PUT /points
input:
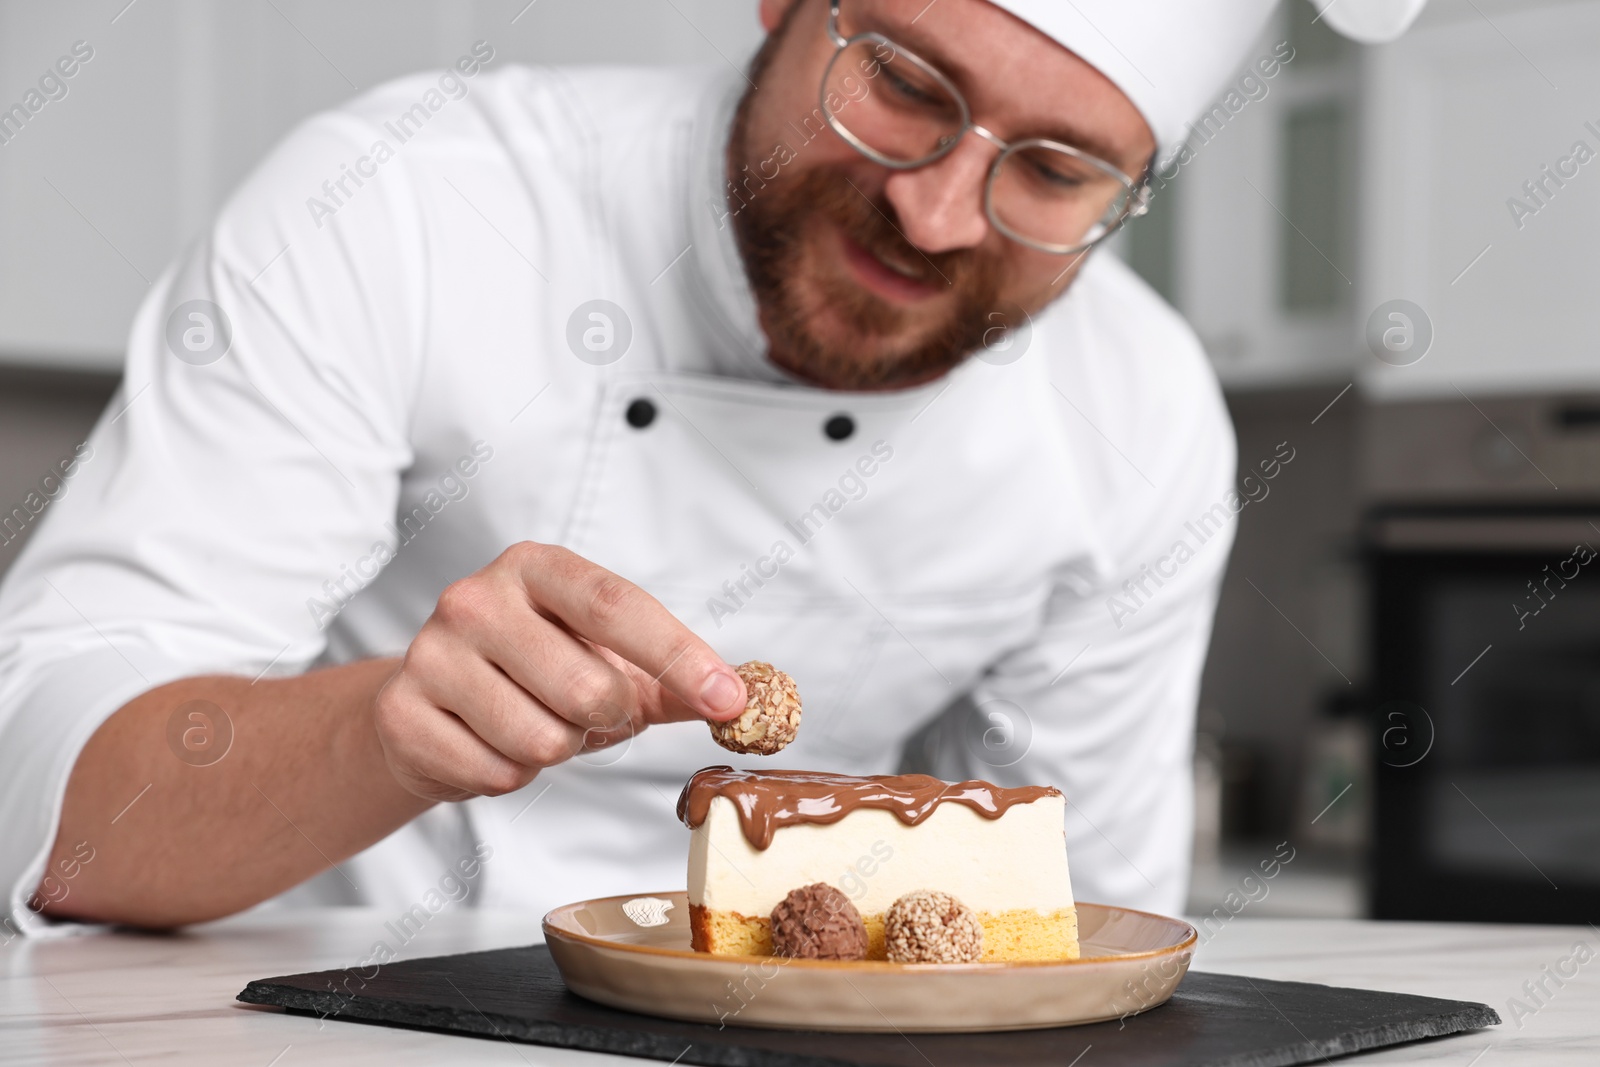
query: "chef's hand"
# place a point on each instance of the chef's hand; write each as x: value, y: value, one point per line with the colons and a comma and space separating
x: 533, y: 659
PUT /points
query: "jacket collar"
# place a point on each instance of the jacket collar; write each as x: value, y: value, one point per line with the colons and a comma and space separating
x: 735, y: 344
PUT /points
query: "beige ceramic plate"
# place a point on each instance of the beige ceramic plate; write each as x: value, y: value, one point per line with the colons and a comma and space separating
x: 633, y: 953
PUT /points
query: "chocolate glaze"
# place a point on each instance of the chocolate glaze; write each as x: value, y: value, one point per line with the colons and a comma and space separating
x: 770, y: 800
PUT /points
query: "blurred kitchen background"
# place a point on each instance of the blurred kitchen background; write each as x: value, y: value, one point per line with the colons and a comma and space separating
x: 1404, y: 683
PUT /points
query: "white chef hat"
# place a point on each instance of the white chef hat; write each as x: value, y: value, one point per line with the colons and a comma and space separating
x: 1172, y: 57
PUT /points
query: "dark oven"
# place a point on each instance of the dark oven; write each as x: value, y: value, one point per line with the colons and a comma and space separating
x: 1483, y: 545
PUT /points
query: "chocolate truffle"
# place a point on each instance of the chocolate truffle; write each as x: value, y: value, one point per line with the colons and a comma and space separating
x: 926, y: 926
x: 771, y: 715
x: 817, y: 922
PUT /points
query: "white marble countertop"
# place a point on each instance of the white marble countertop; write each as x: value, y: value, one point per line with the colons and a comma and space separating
x: 125, y: 998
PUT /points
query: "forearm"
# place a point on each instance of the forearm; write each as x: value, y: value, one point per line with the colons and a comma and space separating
x: 177, y: 838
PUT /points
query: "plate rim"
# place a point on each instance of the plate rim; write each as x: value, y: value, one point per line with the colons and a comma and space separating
x: 555, y: 932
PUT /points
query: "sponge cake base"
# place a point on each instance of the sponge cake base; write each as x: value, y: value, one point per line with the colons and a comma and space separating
x: 1020, y: 934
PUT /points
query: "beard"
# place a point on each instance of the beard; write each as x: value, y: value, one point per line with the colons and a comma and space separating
x: 874, y: 343
x: 878, y: 344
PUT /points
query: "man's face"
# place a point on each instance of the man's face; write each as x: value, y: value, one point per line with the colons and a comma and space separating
x: 872, y: 278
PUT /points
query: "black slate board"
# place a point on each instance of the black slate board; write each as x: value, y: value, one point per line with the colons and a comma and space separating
x: 1212, y: 1021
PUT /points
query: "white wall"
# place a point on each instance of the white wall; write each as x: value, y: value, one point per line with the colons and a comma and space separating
x: 105, y: 186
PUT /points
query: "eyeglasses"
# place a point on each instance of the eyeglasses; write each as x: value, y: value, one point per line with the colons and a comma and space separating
x: 902, y: 112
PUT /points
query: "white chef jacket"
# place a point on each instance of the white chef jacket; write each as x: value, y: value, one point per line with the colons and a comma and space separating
x: 981, y: 546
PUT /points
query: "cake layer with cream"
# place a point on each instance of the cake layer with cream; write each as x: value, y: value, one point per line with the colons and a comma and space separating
x: 757, y: 836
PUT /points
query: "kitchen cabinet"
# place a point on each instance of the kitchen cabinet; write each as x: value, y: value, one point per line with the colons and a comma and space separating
x: 1393, y: 171
x: 1263, y: 235
x: 1481, y: 109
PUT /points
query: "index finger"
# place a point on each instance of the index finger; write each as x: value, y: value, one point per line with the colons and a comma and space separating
x: 612, y: 612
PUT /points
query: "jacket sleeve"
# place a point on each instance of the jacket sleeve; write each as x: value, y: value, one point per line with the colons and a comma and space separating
x: 254, y: 447
x: 1102, y: 702
x: 1106, y: 713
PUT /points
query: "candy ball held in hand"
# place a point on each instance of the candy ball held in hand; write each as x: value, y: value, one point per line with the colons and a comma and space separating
x: 926, y: 926
x: 817, y: 922
x: 771, y: 715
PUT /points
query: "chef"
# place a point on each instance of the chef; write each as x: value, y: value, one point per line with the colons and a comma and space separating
x: 503, y: 408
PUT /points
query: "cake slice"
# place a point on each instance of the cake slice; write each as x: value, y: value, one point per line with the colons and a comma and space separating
x: 757, y: 836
